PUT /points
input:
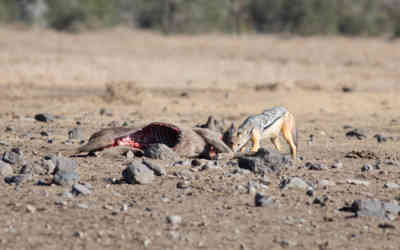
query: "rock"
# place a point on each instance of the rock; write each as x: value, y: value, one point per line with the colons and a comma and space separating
x: 315, y: 166
x: 138, y: 173
x: 391, y: 185
x: 264, y: 161
x: 337, y: 165
x: 358, y: 182
x: 210, y: 165
x: 262, y: 201
x: 129, y: 154
x: 30, y: 208
x: 386, y: 226
x: 183, y: 185
x: 324, y: 183
x: 356, y: 133
x: 374, y: 207
x: 18, y: 179
x: 44, y: 117
x: 196, y: 163
x: 321, y: 201
x: 380, y: 138
x: 15, y: 156
x: 251, y: 187
x: 67, y: 194
x: 366, y: 167
x: 48, y: 166
x: 160, y: 152
x: 5, y: 169
x: 63, y: 163
x: 75, y: 134
x: 66, y: 178
x: 80, y: 189
x: 158, y: 169
x: 174, y: 219
x: 295, y: 183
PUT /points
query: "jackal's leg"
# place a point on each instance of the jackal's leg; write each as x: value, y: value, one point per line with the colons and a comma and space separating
x: 255, y: 139
x: 288, y: 131
x: 277, y: 144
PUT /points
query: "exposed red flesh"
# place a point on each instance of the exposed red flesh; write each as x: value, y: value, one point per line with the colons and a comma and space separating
x: 126, y: 141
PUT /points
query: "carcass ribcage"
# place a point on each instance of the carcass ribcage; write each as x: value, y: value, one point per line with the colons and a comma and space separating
x: 158, y: 132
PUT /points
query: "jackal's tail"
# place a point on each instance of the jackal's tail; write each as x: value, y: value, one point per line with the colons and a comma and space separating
x: 289, y: 131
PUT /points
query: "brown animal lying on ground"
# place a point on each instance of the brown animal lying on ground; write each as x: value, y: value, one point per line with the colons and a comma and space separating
x: 186, y: 142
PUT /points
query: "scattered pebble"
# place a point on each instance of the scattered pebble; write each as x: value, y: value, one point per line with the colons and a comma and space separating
x: 138, y: 173
x: 160, y: 151
x: 337, y: 165
x: 75, y: 134
x: 174, y: 219
x: 315, y: 166
x: 30, y: 208
x: 367, y: 167
x: 294, y: 182
x: 157, y: 168
x: 261, y: 200
x: 66, y: 178
x: 80, y: 189
x: 391, y: 185
x: 5, y: 169
x: 44, y: 117
x: 358, y: 182
x: 356, y: 133
x: 324, y: 183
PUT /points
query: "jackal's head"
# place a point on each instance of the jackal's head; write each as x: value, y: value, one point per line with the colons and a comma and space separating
x: 240, y: 138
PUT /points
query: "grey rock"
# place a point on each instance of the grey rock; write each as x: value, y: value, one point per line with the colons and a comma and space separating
x: 374, y: 207
x: 63, y: 163
x: 82, y: 205
x: 210, y: 165
x: 80, y: 189
x: 174, y: 219
x: 183, y: 185
x: 157, y: 168
x: 44, y: 117
x: 30, y: 208
x: 15, y: 156
x: 358, y: 182
x: 264, y: 161
x: 261, y: 200
x: 138, y: 173
x: 315, y: 166
x: 325, y: 183
x: 67, y: 194
x: 18, y: 179
x: 295, y: 183
x: 75, y: 134
x: 48, y: 166
x: 337, y: 164
x: 380, y: 138
x: 5, y: 169
x: 356, y: 133
x: 66, y: 178
x: 367, y: 167
x: 251, y: 187
x: 391, y: 185
x: 160, y: 152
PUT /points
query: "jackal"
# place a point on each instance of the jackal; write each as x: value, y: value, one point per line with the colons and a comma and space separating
x: 268, y: 124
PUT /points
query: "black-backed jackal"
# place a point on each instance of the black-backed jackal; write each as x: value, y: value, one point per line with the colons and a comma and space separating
x: 268, y: 124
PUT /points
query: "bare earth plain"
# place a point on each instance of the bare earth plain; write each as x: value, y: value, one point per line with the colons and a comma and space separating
x: 142, y: 77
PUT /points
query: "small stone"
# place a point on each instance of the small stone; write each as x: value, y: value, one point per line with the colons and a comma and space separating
x: 5, y: 169
x: 44, y: 117
x: 324, y: 183
x: 75, y: 134
x: 174, y: 219
x: 358, y: 182
x: 356, y: 133
x: 366, y: 167
x: 124, y: 207
x: 196, y: 163
x: 294, y: 182
x: 251, y: 188
x: 337, y: 165
x: 160, y: 151
x: 391, y: 185
x: 183, y: 184
x: 129, y: 154
x: 15, y: 156
x: 82, y: 205
x: 66, y: 178
x: 63, y: 163
x: 80, y: 189
x: 380, y: 138
x: 315, y: 166
x: 155, y: 167
x: 67, y: 194
x: 210, y: 165
x: 261, y: 200
x: 138, y: 173
x: 61, y: 203
x: 386, y: 226
x: 30, y: 208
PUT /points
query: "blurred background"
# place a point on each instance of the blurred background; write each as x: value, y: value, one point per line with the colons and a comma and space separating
x: 303, y: 17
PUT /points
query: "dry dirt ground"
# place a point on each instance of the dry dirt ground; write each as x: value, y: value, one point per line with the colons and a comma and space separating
x: 140, y: 77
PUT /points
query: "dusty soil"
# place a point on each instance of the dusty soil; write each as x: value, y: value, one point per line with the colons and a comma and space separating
x: 142, y: 77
